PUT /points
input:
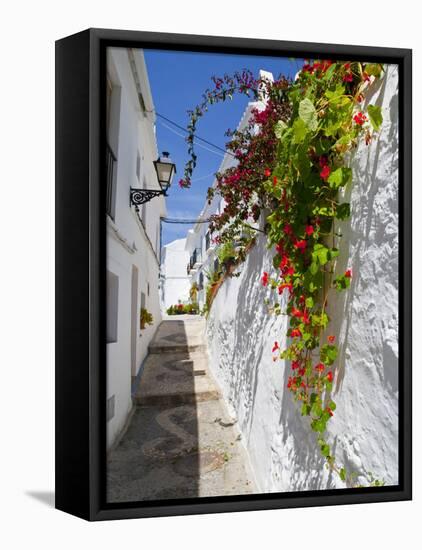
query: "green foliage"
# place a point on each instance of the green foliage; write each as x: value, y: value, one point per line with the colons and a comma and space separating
x: 375, y: 116
x: 308, y: 114
x: 181, y: 309
x: 145, y: 318
x: 328, y: 354
x: 319, y: 122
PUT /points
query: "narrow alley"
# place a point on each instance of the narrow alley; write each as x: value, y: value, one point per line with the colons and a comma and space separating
x: 180, y: 442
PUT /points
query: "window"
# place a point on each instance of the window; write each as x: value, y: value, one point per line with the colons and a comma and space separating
x: 138, y: 166
x: 113, y: 128
x: 112, y: 307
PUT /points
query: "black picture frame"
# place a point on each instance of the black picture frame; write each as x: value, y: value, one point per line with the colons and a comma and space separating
x: 80, y: 275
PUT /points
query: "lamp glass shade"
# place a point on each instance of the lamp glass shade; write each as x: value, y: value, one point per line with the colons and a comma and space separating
x: 165, y: 169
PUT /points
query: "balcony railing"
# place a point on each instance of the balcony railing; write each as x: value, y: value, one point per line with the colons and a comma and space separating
x: 110, y: 164
x: 195, y: 260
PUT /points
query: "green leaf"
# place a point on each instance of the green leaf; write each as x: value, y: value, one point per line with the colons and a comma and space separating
x: 328, y: 354
x: 373, y: 69
x: 299, y: 130
x: 337, y: 93
x: 309, y: 302
x: 313, y: 268
x: 279, y: 128
x: 340, y: 177
x: 343, y: 474
x: 332, y: 405
x: 325, y: 450
x: 341, y: 282
x: 316, y: 409
x: 329, y: 73
x: 308, y: 114
x: 306, y: 409
x: 343, y: 211
x: 375, y: 116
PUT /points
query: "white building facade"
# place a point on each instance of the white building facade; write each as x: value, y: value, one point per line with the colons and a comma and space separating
x: 133, y: 235
x: 203, y: 259
x: 175, y: 281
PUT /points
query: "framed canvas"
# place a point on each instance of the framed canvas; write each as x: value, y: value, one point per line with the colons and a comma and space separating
x: 233, y: 274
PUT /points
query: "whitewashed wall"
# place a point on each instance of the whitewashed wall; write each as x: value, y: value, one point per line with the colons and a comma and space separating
x: 132, y: 240
x: 176, y: 283
x: 241, y: 333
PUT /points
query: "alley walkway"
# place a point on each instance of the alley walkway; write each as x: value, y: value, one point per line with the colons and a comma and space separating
x: 180, y: 442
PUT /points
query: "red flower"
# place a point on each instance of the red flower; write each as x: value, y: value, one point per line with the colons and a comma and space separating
x: 347, y: 66
x: 290, y: 271
x: 331, y: 339
x: 302, y: 299
x: 348, y: 273
x: 295, y: 333
x: 284, y: 261
x: 348, y: 77
x: 267, y: 172
x: 301, y: 371
x: 329, y: 376
x: 320, y: 367
x: 360, y: 118
x: 325, y: 172
x: 264, y: 278
x: 275, y: 181
x: 301, y: 245
x: 309, y: 230
x: 329, y: 411
x: 285, y: 285
x: 306, y: 319
x: 275, y: 347
x: 296, y: 313
x: 366, y: 77
x: 180, y: 306
x: 295, y: 364
x: 288, y: 229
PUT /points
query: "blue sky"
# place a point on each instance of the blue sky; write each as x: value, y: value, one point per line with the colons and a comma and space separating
x: 177, y: 81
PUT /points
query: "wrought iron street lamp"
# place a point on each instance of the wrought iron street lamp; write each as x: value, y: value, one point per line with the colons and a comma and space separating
x: 165, y: 169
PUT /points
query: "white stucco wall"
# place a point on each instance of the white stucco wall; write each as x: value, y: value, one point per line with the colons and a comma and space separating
x: 131, y: 241
x: 364, y: 430
x: 176, y: 283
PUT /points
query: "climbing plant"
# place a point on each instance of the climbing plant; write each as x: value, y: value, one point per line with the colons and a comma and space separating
x: 292, y: 161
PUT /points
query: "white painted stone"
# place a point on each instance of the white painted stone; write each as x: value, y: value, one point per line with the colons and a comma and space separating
x: 241, y: 332
x: 175, y: 280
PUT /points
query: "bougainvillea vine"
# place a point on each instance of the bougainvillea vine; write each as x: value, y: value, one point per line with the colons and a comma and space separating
x: 291, y: 165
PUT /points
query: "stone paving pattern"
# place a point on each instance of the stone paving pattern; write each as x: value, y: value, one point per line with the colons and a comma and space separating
x: 181, y: 441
